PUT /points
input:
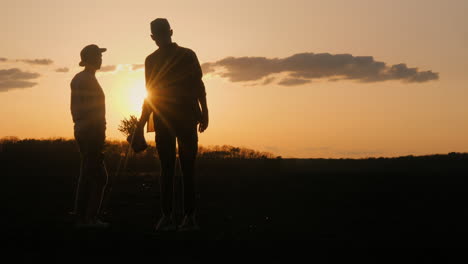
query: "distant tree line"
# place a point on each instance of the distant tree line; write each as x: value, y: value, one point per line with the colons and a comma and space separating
x: 121, y: 148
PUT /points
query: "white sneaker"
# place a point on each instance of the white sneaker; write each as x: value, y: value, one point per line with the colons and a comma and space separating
x: 189, y: 224
x: 166, y: 223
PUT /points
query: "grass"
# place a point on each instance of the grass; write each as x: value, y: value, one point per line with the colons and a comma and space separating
x: 407, y: 201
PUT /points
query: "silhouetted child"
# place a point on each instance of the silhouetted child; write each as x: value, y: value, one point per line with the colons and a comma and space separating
x: 88, y: 112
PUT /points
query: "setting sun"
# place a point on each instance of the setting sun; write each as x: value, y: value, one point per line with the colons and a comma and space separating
x: 136, y: 95
x: 125, y: 94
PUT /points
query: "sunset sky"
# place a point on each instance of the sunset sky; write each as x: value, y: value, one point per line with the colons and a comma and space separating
x: 301, y: 79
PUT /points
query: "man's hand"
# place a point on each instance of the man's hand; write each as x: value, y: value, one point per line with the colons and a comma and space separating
x: 140, y: 125
x: 204, y: 112
x: 203, y: 122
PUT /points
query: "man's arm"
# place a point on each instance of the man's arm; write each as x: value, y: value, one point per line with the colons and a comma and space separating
x: 146, y: 107
x: 79, y: 103
x: 145, y: 114
x: 201, y: 94
x: 204, y: 107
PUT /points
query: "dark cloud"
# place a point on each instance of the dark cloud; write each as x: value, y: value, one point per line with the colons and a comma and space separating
x: 108, y: 68
x: 17, y: 74
x: 268, y: 80
x: 38, y: 61
x: 137, y: 66
x: 208, y: 67
x: 293, y: 81
x: 303, y: 67
x: 64, y: 69
x: 8, y: 85
x: 15, y: 78
x: 3, y: 59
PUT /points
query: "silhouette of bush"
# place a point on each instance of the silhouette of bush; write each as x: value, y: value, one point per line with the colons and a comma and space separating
x: 230, y: 152
x: 127, y: 126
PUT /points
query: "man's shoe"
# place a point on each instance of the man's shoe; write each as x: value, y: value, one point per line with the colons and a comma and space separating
x: 189, y: 224
x: 166, y: 223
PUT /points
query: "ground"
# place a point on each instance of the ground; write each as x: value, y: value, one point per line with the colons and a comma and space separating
x: 408, y: 202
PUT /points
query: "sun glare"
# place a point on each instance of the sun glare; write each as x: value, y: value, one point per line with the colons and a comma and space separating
x: 136, y: 95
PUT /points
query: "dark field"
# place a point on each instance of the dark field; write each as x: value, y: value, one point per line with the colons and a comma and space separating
x: 388, y: 202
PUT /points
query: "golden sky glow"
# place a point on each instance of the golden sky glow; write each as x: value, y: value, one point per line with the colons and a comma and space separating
x: 317, y: 119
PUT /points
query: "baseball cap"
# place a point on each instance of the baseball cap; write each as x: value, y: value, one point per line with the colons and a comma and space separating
x: 89, y: 52
x: 160, y: 25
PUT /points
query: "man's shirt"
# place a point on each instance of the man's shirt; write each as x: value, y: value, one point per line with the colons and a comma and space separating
x: 174, y: 83
x: 87, y: 105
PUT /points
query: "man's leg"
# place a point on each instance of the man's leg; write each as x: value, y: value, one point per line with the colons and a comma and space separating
x: 105, y: 176
x: 82, y: 183
x: 188, y: 147
x: 78, y: 187
x: 165, y: 145
x: 97, y: 178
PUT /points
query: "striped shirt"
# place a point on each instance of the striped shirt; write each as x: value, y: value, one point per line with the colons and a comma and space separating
x: 87, y: 105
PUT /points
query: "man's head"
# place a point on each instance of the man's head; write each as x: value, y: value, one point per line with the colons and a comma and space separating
x: 161, y: 31
x: 91, y: 56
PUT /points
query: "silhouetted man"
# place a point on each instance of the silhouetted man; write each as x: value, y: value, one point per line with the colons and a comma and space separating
x: 88, y: 112
x: 175, y: 94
